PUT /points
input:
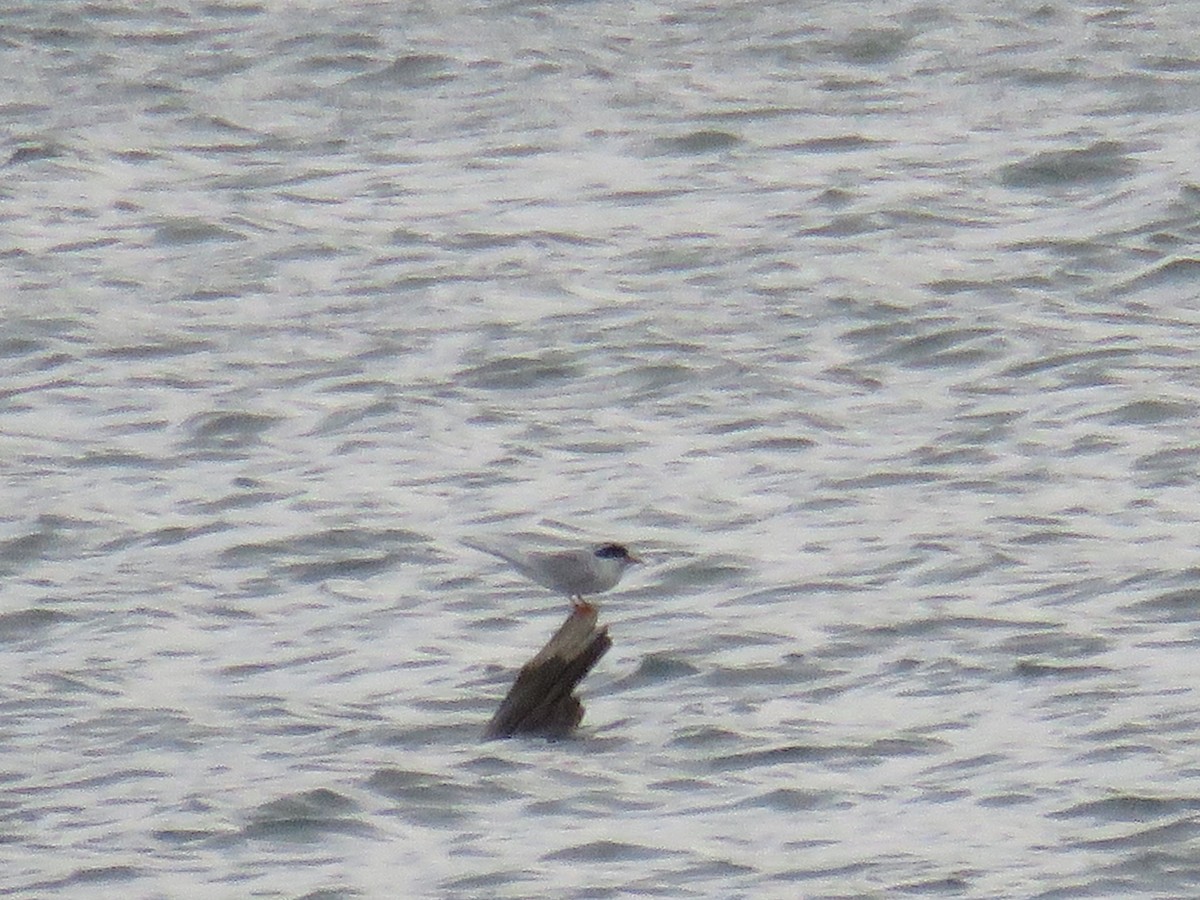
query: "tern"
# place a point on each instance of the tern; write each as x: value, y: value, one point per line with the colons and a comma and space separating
x: 573, y: 573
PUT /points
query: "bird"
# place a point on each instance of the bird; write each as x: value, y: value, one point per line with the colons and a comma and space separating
x: 574, y: 573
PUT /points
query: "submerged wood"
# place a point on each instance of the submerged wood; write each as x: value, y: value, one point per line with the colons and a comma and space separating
x: 541, y: 700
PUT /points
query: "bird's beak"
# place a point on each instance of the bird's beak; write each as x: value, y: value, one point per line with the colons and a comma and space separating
x: 636, y: 559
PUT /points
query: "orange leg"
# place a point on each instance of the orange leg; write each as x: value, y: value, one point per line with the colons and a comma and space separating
x: 578, y: 604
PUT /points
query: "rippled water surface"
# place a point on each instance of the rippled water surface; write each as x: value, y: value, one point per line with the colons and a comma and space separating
x: 873, y: 327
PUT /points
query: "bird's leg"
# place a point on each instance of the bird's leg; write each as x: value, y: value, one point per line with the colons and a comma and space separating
x: 578, y: 604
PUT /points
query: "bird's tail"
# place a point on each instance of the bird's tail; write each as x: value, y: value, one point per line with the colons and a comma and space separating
x: 498, y: 547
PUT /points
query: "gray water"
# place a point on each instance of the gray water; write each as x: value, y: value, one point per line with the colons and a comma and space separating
x: 874, y: 327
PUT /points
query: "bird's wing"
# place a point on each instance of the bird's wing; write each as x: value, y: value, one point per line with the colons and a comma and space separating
x: 508, y: 552
x: 532, y: 565
x: 566, y: 571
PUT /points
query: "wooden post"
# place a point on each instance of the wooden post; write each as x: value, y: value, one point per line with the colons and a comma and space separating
x: 541, y: 700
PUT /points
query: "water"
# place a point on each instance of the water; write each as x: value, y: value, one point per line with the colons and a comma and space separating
x: 872, y: 326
